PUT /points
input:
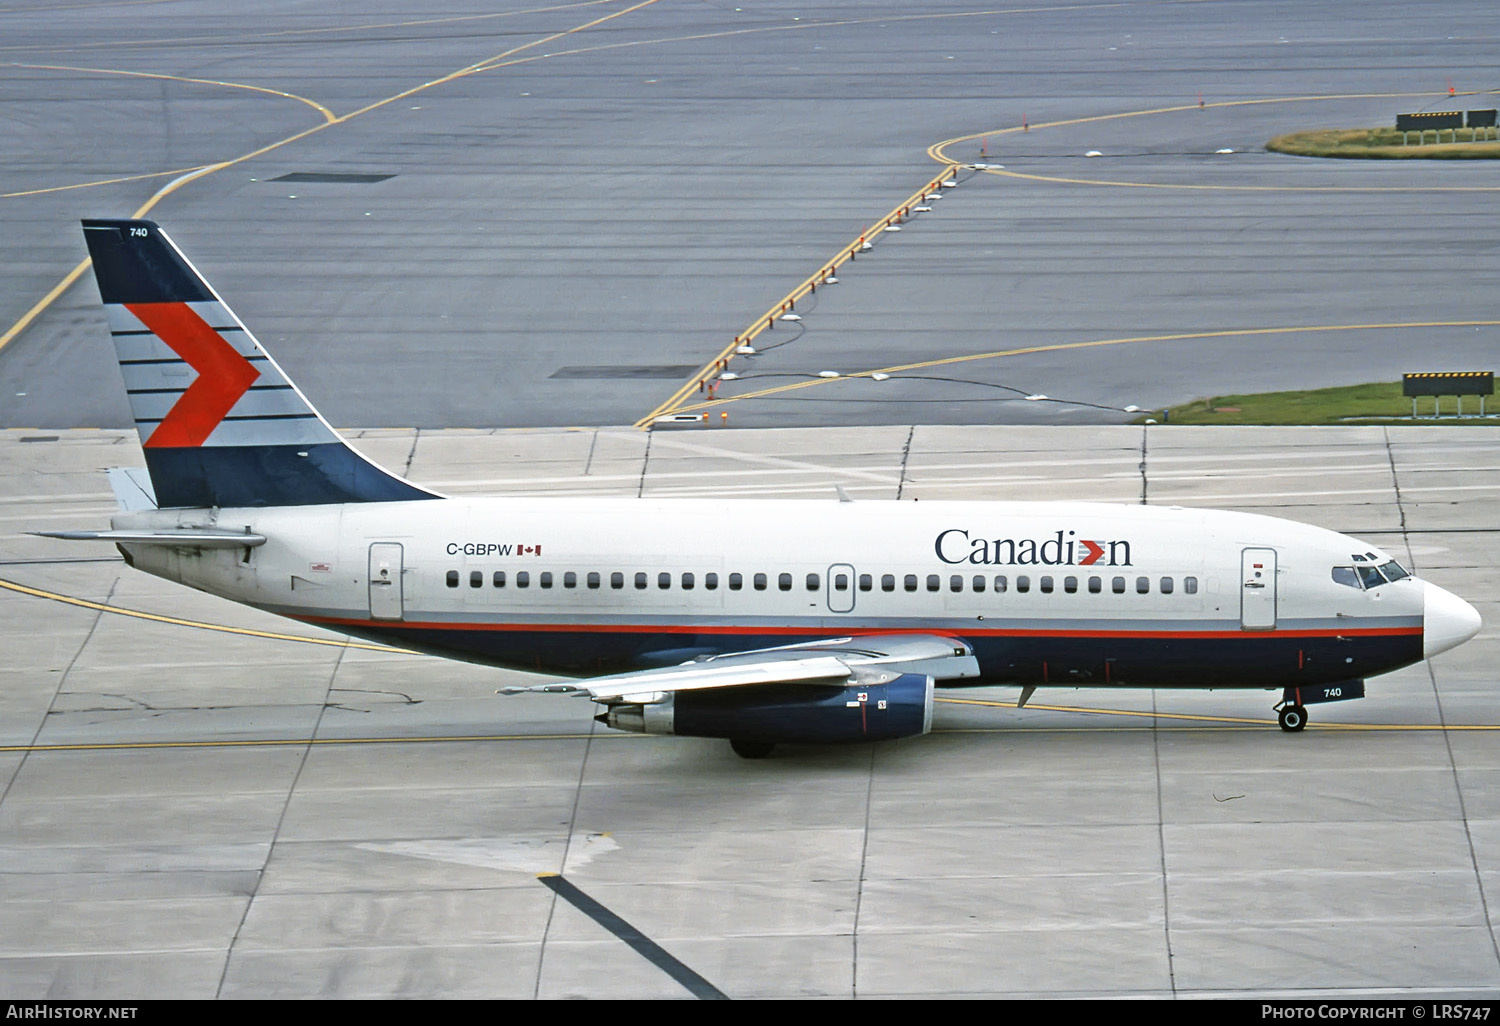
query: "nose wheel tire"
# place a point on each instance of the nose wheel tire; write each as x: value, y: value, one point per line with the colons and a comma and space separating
x: 751, y: 749
x: 1292, y: 718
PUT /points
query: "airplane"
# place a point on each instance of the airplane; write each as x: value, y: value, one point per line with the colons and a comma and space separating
x: 764, y: 623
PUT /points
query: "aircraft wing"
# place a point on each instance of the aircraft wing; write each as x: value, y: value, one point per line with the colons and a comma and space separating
x: 826, y: 661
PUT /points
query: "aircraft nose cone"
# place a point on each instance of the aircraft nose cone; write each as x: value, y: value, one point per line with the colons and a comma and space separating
x: 1447, y: 620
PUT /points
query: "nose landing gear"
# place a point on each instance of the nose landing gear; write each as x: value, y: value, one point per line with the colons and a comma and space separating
x: 1291, y: 711
x: 1291, y: 716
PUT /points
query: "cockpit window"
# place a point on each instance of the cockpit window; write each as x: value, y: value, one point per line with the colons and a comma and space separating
x: 1346, y: 576
x: 1393, y: 571
x: 1370, y: 576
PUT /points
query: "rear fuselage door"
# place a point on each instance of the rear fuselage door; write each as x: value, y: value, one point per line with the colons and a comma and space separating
x: 1258, y: 589
x: 841, y: 588
x: 386, y: 602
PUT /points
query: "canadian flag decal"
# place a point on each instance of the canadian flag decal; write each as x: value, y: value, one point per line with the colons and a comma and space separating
x: 223, y: 374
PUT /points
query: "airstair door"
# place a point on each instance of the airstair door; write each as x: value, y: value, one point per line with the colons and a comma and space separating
x: 1258, y: 589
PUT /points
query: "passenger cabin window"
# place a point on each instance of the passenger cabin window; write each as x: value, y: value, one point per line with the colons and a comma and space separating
x: 688, y: 582
x: 1166, y: 585
x: 1117, y: 585
x: 453, y: 578
x: 736, y: 582
x: 1190, y: 585
x: 934, y: 582
x: 523, y: 579
x: 640, y: 581
x: 476, y: 578
x: 1070, y: 584
x: 979, y: 582
x: 1095, y: 585
x: 909, y: 582
x: 840, y: 582
x: 616, y: 580
x: 760, y: 582
x: 593, y: 579
x: 812, y: 582
x: 1023, y: 583
x: 570, y: 580
x: 499, y: 579
x: 956, y: 583
x: 887, y: 582
x: 545, y: 578
x: 866, y: 582
x: 710, y: 582
x: 1046, y: 585
x: 784, y: 582
x: 663, y: 581
x: 1143, y: 585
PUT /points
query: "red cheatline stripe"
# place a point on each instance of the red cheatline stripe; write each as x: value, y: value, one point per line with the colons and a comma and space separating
x: 223, y: 374
x: 851, y: 630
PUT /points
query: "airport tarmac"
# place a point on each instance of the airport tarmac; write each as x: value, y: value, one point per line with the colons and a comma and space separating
x: 201, y: 800
x: 564, y: 219
x: 551, y: 217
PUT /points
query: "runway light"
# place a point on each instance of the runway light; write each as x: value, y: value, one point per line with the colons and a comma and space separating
x: 790, y: 317
x: 729, y: 376
x: 1035, y: 398
x: 832, y: 279
x: 891, y: 228
x: 950, y: 184
x: 829, y: 374
x: 865, y: 246
x: 745, y: 350
x: 921, y: 210
x: 1132, y: 409
x: 880, y: 377
x: 1226, y: 149
x: 933, y: 195
x: 1093, y: 153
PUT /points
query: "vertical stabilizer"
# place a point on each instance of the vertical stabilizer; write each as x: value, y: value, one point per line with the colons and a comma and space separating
x: 220, y: 424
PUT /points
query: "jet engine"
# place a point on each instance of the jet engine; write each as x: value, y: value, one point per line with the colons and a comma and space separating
x: 880, y: 708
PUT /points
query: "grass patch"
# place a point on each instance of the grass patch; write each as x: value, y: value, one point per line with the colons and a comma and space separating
x: 1350, y: 404
x: 1386, y: 144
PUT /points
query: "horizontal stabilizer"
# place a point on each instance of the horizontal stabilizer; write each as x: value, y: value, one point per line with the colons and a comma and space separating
x: 198, y: 538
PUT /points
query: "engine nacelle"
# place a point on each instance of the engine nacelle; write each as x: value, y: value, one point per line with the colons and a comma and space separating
x: 887, y: 707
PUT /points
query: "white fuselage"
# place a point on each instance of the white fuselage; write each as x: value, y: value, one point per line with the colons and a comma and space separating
x: 1045, y: 592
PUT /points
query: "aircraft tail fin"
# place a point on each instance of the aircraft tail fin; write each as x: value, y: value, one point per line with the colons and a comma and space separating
x: 220, y: 423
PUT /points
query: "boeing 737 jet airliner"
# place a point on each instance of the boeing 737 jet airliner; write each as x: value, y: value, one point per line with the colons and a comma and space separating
x: 818, y: 622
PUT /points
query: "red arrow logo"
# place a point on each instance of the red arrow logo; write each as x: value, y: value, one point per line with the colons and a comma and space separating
x: 223, y: 374
x: 1095, y: 551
